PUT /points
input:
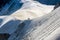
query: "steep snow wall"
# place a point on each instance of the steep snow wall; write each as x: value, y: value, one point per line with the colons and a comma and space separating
x: 35, y: 29
x: 54, y: 35
x: 39, y: 28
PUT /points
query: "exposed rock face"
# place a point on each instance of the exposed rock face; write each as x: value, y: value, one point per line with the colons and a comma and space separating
x: 57, y: 5
x: 4, y: 36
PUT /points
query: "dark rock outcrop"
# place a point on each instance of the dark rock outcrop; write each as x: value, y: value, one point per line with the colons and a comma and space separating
x: 4, y: 36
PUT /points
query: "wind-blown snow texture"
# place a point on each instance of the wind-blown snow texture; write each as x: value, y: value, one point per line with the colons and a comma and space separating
x: 38, y: 29
x: 30, y: 20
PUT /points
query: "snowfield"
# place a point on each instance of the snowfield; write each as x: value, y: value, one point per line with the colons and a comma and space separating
x: 39, y: 29
x: 33, y: 10
x: 30, y: 21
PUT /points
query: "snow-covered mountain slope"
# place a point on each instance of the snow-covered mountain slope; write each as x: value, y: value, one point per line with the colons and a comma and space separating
x: 38, y: 29
x: 54, y: 35
x: 33, y: 21
x: 33, y: 10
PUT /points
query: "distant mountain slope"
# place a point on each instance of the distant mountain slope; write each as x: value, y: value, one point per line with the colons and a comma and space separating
x: 3, y: 2
x: 49, y: 2
x: 10, y: 8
